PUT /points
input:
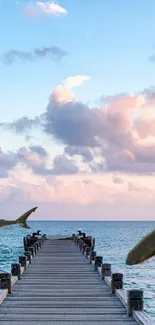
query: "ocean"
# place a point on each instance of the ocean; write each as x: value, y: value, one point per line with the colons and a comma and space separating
x: 113, y: 242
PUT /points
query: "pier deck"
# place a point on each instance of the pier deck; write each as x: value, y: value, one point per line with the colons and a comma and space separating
x: 61, y: 287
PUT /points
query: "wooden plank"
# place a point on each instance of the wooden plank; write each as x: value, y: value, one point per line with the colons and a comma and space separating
x: 63, y: 322
x: 60, y: 293
x: 73, y: 304
x: 74, y: 298
x: 64, y: 310
x: 59, y: 280
x: 66, y: 317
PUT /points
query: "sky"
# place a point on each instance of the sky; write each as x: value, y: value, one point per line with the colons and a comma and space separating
x: 77, y: 104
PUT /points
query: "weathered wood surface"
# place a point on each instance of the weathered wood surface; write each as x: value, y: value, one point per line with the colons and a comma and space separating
x: 61, y: 287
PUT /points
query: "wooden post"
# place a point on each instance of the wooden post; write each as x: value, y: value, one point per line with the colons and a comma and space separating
x: 116, y: 281
x: 23, y: 261
x: 28, y: 255
x: 5, y: 282
x: 31, y: 250
x: 83, y: 234
x: 35, y: 248
x: 92, y: 256
x: 39, y: 243
x: 80, y: 244
x: 35, y: 234
x: 25, y: 243
x: 16, y: 270
x: 88, y: 251
x: 84, y: 248
x: 134, y: 301
x: 75, y: 239
x: 98, y: 262
x: 44, y: 237
x: 28, y: 240
x: 105, y: 270
x: 93, y: 243
x: 88, y: 241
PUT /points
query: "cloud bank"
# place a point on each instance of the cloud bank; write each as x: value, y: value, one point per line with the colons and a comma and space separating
x: 118, y: 136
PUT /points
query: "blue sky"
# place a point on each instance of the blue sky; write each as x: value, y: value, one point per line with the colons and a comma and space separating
x: 110, y: 41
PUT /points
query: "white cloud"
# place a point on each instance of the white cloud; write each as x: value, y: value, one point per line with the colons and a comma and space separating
x: 71, y: 82
x: 47, y: 8
x: 63, y: 94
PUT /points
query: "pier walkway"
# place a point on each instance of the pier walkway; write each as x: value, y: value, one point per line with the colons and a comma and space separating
x: 62, y: 287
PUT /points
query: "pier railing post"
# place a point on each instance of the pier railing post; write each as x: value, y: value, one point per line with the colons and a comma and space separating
x: 92, y: 243
x: 88, y: 241
x: 98, y: 262
x: 116, y: 281
x: 23, y: 261
x: 134, y: 301
x: 25, y: 243
x: 28, y: 255
x: 80, y: 244
x: 35, y: 249
x: 105, y: 270
x: 5, y: 282
x: 88, y: 251
x: 44, y: 237
x: 84, y: 248
x: 83, y: 234
x: 28, y: 241
x: 32, y: 251
x: 39, y: 243
x: 16, y: 270
x: 75, y: 239
x: 92, y: 256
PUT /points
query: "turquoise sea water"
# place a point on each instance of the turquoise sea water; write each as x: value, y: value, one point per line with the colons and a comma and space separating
x: 113, y: 241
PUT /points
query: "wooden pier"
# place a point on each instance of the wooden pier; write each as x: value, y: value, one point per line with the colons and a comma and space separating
x: 64, y: 282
